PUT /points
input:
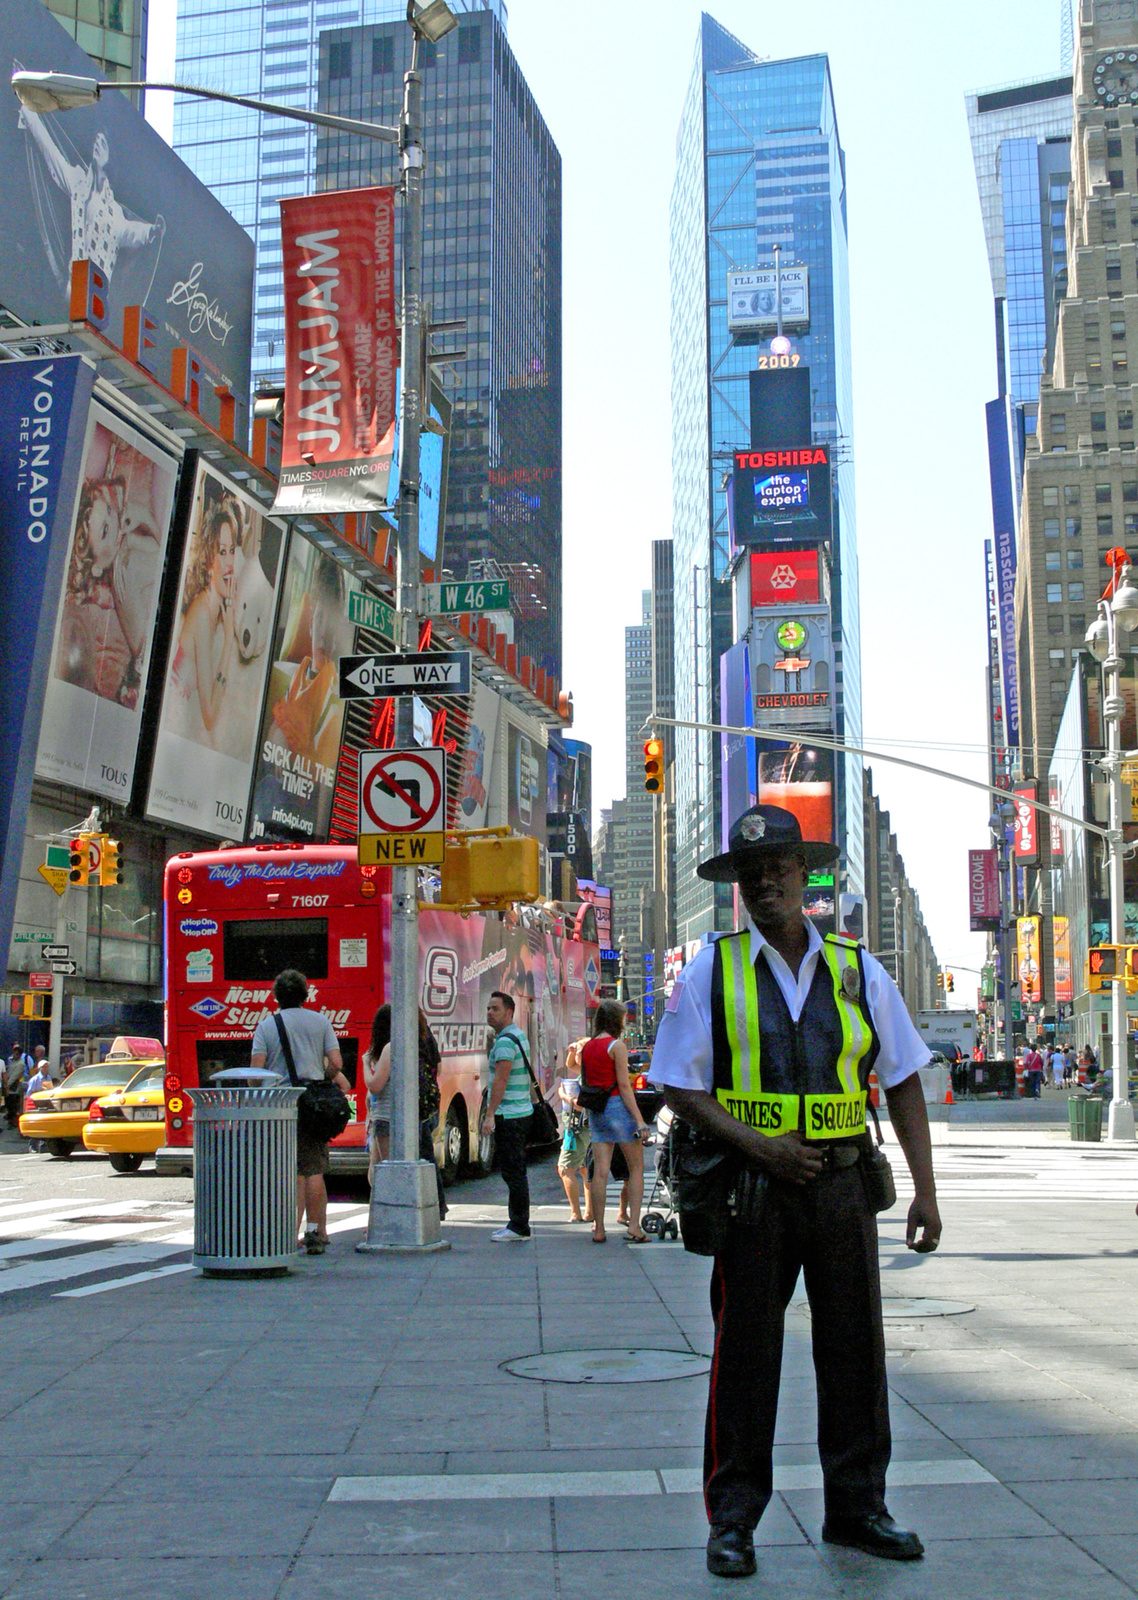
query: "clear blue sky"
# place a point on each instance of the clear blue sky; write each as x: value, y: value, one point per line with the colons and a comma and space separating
x: 923, y: 359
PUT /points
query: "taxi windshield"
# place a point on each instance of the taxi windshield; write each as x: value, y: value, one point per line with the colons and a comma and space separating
x: 149, y: 1078
x: 111, y: 1073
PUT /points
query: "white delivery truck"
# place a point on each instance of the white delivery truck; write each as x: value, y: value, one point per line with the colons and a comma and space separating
x: 951, y: 1033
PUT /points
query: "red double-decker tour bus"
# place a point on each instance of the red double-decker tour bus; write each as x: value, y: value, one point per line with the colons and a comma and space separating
x: 237, y: 917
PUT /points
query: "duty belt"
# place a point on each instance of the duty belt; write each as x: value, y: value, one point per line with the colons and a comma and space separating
x: 835, y: 1157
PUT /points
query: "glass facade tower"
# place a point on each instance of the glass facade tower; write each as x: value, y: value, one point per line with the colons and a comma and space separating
x: 266, y: 49
x: 492, y: 258
x: 113, y: 33
x: 759, y: 164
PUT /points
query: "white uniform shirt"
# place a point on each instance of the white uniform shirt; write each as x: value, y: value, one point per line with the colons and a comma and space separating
x: 682, y: 1057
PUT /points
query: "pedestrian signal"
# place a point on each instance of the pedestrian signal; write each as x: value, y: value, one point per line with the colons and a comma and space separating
x: 33, y: 1005
x: 110, y: 867
x: 654, y: 765
x: 80, y: 858
x: 1106, y: 964
x: 949, y: 982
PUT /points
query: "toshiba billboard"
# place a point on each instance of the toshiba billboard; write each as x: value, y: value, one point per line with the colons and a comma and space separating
x: 780, y: 496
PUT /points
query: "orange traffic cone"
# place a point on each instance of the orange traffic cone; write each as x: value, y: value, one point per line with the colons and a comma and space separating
x: 948, y: 1100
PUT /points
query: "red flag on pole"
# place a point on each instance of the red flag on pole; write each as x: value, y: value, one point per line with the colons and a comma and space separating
x: 341, y: 351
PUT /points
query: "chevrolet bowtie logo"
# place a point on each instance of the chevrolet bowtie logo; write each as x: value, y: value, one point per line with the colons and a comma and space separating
x: 784, y: 577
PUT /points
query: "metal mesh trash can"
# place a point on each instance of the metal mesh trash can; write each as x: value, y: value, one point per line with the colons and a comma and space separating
x: 245, y: 1174
x: 1086, y: 1119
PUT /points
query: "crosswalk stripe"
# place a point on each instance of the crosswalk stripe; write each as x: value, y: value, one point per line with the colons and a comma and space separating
x: 34, y: 1275
x: 123, y: 1283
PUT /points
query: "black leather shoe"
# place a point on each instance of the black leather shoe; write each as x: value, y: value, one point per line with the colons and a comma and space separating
x: 877, y: 1536
x: 731, y: 1552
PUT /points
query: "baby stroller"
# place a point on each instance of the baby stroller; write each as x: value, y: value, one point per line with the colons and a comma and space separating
x: 659, y: 1219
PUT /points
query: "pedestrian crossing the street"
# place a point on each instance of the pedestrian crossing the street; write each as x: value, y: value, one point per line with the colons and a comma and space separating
x: 1065, y: 1174
x: 75, y: 1251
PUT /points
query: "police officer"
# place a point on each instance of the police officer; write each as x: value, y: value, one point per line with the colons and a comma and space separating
x: 767, y: 1042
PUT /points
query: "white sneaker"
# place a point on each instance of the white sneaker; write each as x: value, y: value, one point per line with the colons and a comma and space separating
x: 508, y: 1236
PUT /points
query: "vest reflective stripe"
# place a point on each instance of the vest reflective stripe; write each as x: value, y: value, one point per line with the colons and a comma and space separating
x: 824, y: 1116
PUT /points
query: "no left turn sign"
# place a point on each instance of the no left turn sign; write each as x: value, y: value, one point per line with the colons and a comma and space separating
x: 402, y: 791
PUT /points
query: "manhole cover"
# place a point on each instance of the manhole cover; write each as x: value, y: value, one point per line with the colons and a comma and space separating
x: 900, y: 1308
x: 608, y: 1366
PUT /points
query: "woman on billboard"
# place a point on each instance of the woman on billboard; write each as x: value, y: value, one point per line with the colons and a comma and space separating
x: 200, y: 669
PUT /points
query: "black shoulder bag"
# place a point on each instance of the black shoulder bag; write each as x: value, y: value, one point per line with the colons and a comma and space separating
x: 323, y: 1110
x: 877, y: 1174
x: 543, y: 1125
x: 589, y: 1097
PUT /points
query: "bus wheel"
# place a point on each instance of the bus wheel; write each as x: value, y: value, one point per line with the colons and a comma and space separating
x: 454, y: 1141
x: 126, y: 1163
x: 485, y: 1143
x: 60, y: 1148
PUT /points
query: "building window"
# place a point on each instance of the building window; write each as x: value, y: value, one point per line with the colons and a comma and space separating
x: 428, y: 53
x: 1105, y: 528
x: 1118, y: 363
x: 340, y: 58
x: 1051, y: 495
x: 1054, y: 593
x: 1090, y: 332
x: 1102, y: 494
x: 469, y: 46
x: 1071, y: 494
x: 1058, y: 655
x: 1130, y: 491
x: 1074, y: 560
x: 1115, y: 176
x: 1126, y: 421
x: 1113, y: 271
x: 1094, y: 363
x: 1074, y: 527
x: 1051, y: 527
x: 1108, y: 222
x: 1098, y: 421
x: 1074, y: 591
x: 1118, y: 329
x: 1130, y: 525
x: 1051, y: 560
x: 1058, y: 423
x: 382, y: 54
x: 1054, y: 622
x: 1114, y: 147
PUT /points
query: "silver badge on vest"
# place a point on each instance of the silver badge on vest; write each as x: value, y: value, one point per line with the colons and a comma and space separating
x: 851, y: 983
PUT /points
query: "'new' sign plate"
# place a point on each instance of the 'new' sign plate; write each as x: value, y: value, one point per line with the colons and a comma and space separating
x: 437, y: 672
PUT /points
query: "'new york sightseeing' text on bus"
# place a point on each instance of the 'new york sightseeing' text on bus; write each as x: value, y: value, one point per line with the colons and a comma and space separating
x: 237, y: 917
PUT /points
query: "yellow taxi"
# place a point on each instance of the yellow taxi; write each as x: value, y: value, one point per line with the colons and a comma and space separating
x: 130, y: 1125
x: 59, y: 1115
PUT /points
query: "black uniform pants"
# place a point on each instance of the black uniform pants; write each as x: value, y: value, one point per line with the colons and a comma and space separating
x: 826, y: 1229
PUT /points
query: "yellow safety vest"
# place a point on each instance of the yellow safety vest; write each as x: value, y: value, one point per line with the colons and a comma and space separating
x: 840, y: 1115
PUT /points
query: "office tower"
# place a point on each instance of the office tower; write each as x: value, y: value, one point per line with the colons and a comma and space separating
x: 491, y: 256
x: 266, y: 49
x: 634, y: 908
x: 758, y: 165
x: 1021, y: 136
x: 664, y: 702
x: 1080, y: 488
x: 113, y: 33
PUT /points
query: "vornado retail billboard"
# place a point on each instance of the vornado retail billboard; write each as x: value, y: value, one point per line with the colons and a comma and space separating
x: 791, y: 666
x: 99, y: 184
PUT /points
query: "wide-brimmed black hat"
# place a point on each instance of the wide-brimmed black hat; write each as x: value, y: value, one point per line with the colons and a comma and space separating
x: 760, y: 832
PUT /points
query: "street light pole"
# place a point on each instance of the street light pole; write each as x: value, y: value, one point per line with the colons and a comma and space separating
x: 1120, y: 610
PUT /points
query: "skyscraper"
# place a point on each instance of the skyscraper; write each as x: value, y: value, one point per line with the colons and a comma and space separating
x: 492, y: 258
x: 266, y: 49
x: 113, y: 33
x: 759, y: 165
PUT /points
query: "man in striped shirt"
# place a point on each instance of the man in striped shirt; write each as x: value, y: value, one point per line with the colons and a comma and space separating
x: 508, y: 1110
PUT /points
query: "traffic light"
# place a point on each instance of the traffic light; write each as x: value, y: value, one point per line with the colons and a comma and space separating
x: 490, y: 870
x: 80, y: 858
x: 654, y: 765
x: 110, y: 867
x: 32, y: 1005
x: 948, y: 982
x: 940, y: 979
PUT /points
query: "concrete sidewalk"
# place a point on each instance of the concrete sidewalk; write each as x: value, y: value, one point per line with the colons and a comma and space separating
x: 350, y: 1431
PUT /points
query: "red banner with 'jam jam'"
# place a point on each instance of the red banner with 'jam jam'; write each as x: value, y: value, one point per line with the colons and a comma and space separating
x: 788, y: 577
x: 341, y: 350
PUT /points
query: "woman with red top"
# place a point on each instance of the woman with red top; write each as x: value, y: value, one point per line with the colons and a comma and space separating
x: 604, y: 1065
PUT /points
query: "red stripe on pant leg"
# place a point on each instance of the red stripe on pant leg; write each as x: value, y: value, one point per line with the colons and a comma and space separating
x: 719, y: 1295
